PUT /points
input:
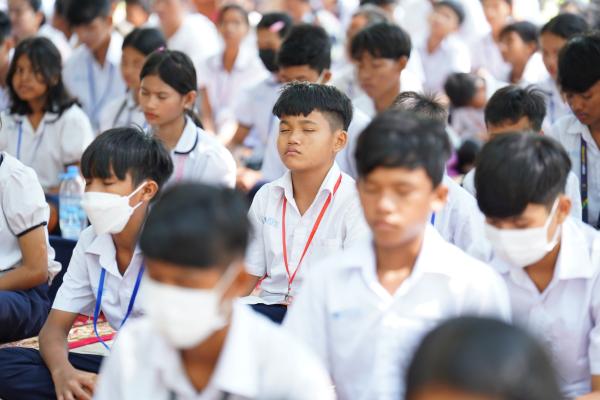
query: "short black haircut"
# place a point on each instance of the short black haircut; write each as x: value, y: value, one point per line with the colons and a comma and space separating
x: 120, y: 151
x: 5, y: 26
x: 46, y: 61
x: 566, y: 26
x: 306, y: 45
x: 145, y: 40
x: 197, y: 226
x: 511, y: 103
x: 377, y: 3
x: 383, y: 40
x: 461, y: 87
x: 302, y: 98
x: 396, y: 139
x: 527, y: 31
x: 268, y: 20
x: 578, y: 63
x: 233, y: 7
x: 455, y: 6
x: 425, y: 105
x: 83, y: 12
x: 518, y: 169
x: 483, y: 356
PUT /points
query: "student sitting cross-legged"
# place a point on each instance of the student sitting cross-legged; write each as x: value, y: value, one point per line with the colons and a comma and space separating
x: 124, y: 169
x: 197, y: 340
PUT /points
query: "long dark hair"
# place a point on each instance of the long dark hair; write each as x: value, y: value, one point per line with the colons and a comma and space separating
x: 177, y: 70
x: 45, y: 60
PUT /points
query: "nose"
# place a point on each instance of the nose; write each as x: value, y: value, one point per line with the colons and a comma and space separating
x: 385, y: 204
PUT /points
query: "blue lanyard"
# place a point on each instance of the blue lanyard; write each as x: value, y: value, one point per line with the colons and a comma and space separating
x: 99, y: 301
x: 19, y: 140
x: 95, y: 103
x: 433, y: 219
x: 585, y: 201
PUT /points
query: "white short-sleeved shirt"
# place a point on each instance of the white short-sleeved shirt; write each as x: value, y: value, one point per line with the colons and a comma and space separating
x: 200, y: 157
x: 4, y: 98
x: 120, y: 112
x: 571, y: 190
x: 570, y: 132
x: 59, y: 140
x: 486, y: 55
x: 95, y: 85
x: 79, y: 290
x: 367, y: 336
x: 565, y: 316
x: 224, y: 87
x: 143, y: 365
x: 58, y: 39
x: 345, y: 158
x: 556, y: 107
x: 272, y: 166
x: 197, y: 37
x: 535, y: 71
x: 22, y: 209
x: 342, y: 225
x: 451, y: 56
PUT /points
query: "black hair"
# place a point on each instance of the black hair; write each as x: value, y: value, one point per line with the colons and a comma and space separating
x: 233, y: 7
x: 5, y: 27
x: 455, y: 6
x: 125, y: 150
x: 517, y: 169
x: 485, y: 357
x: 83, y: 12
x: 145, y: 4
x: 511, y: 103
x: 35, y: 5
x: 467, y: 155
x: 177, y: 70
x: 527, y: 31
x: 145, y: 40
x: 197, y: 226
x: 396, y: 139
x: 566, y: 26
x: 461, y: 88
x: 306, y: 45
x: 301, y: 98
x: 269, y: 19
x: 425, y: 105
x: 578, y: 63
x: 46, y: 61
x: 383, y: 40
x: 60, y: 7
x: 377, y: 3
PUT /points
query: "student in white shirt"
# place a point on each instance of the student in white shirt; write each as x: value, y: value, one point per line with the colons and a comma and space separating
x: 313, y: 208
x: 468, y: 96
x: 519, y: 46
x: 124, y: 169
x: 92, y: 72
x: 222, y: 77
x: 45, y: 128
x: 6, y: 48
x: 194, y: 243
x: 517, y: 109
x: 443, y: 52
x: 125, y: 110
x: 167, y: 95
x: 553, y: 37
x: 364, y: 310
x: 471, y: 358
x: 550, y: 262
x: 26, y: 260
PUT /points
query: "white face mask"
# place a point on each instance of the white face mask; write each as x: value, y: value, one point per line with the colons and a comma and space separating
x: 107, y: 212
x: 186, y: 317
x: 523, y: 247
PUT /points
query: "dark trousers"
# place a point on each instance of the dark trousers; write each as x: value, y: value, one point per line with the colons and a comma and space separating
x: 275, y: 312
x: 24, y: 376
x: 23, y: 312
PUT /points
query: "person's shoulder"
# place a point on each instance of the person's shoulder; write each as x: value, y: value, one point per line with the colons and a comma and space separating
x: 78, y: 57
x: 563, y: 126
x: 12, y: 170
x: 74, y: 112
x: 360, y: 119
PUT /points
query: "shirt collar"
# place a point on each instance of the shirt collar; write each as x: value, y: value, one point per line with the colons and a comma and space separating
x: 189, y: 138
x: 328, y: 185
x: 575, y: 127
x: 104, y: 247
x: 242, y: 60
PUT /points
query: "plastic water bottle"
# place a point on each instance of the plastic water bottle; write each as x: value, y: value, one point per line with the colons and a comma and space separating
x: 72, y: 218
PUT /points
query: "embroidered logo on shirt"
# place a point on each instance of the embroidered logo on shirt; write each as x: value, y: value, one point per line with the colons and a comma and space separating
x: 269, y: 221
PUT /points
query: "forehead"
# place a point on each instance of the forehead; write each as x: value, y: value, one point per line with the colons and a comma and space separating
x: 316, y: 117
x: 298, y: 73
x: 154, y: 83
x: 395, y: 176
x: 446, y: 11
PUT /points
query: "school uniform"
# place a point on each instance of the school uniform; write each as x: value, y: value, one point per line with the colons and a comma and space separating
x: 564, y: 317
x: 555, y: 105
x: 341, y: 226
x: 535, y: 71
x: 59, y: 140
x: 144, y: 365
x: 4, y: 98
x: 451, y: 56
x: 200, y: 157
x: 58, y: 39
x: 346, y: 158
x: 122, y: 112
x: 486, y: 55
x: 468, y: 123
x: 23, y: 208
x: 571, y: 190
x: 224, y: 87
x: 95, y: 85
x: 197, y: 37
x: 577, y: 139
x: 92, y: 284
x: 366, y: 336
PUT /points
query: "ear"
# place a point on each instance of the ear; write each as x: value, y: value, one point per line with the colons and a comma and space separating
x: 242, y: 284
x: 39, y: 16
x: 326, y: 76
x: 190, y: 99
x: 341, y: 138
x: 439, y: 197
x: 563, y: 209
x: 149, y: 191
x: 401, y: 63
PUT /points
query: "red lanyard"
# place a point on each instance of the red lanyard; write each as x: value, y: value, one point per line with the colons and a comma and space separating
x: 291, y: 277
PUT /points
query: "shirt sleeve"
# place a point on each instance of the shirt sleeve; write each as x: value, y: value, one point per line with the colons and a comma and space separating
x: 489, y: 295
x: 24, y: 205
x: 76, y: 136
x: 244, y: 110
x: 222, y: 168
x: 256, y: 261
x: 573, y: 192
x: 356, y: 225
